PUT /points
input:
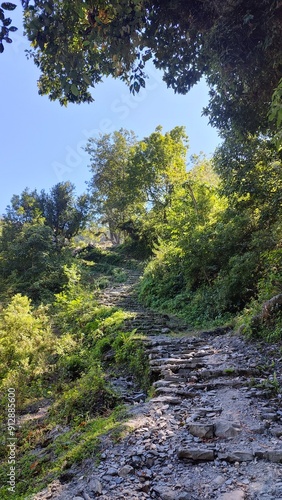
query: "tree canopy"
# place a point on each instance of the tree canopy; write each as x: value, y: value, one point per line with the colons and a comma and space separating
x: 59, y: 209
x: 132, y: 178
x: 235, y: 45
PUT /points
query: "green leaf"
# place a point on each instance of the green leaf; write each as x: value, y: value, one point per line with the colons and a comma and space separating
x: 13, y: 28
x: 74, y: 90
x: 8, y: 6
x: 87, y: 79
x: 1, y: 47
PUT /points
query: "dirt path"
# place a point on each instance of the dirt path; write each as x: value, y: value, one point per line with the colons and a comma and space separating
x: 213, y: 429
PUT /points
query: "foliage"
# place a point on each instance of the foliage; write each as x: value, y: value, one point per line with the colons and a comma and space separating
x: 72, y: 369
x: 34, y: 241
x: 134, y: 180
x: 72, y: 446
x: 75, y: 44
x: 113, y: 196
x: 251, y: 173
x: 210, y: 262
x: 159, y: 166
x: 29, y: 263
x: 90, y: 396
x: 26, y: 346
x: 60, y: 210
x: 253, y: 321
x: 6, y: 28
x: 275, y: 114
x: 65, y: 214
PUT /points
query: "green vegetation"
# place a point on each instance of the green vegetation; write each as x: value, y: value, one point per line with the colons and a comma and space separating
x: 235, y: 46
x: 64, y: 355
x: 209, y: 241
x: 207, y: 234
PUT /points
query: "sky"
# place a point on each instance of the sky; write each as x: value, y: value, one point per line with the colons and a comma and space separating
x: 41, y: 142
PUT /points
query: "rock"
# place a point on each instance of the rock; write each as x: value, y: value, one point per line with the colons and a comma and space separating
x: 66, y: 477
x: 275, y: 456
x: 145, y: 487
x: 196, y: 455
x: 269, y: 416
x: 236, y: 456
x: 165, y: 330
x: 167, y: 400
x: 112, y: 471
x: 202, y: 430
x: 184, y: 495
x: 233, y: 495
x: 95, y: 486
x: 219, y: 481
x: 136, y: 461
x: 125, y: 471
x: 276, y: 431
x: 261, y: 454
x: 225, y: 429
x: 165, y: 493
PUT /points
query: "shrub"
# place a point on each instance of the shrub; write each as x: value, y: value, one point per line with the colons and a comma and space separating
x: 26, y: 344
x: 88, y: 397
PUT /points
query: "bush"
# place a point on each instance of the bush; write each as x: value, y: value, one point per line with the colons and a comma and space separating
x: 88, y: 397
x: 26, y: 345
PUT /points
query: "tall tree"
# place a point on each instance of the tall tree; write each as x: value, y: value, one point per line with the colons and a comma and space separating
x: 60, y: 210
x: 63, y: 212
x: 159, y: 165
x: 132, y: 178
x: 114, y: 197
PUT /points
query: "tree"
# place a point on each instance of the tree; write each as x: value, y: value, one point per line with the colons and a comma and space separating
x: 29, y: 263
x: 250, y: 170
x: 235, y: 45
x: 35, y: 233
x: 114, y: 196
x: 159, y: 165
x: 135, y: 179
x: 60, y: 210
x: 63, y: 212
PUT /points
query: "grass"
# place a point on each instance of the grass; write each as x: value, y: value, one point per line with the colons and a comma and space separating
x: 35, y: 472
x: 83, y: 406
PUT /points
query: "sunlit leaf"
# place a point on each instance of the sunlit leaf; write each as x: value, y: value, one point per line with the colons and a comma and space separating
x: 87, y: 79
x: 74, y: 90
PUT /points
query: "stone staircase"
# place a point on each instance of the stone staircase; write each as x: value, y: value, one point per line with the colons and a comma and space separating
x: 212, y: 430
x: 123, y: 295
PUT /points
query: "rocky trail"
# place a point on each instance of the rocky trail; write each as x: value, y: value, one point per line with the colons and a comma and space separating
x: 213, y: 429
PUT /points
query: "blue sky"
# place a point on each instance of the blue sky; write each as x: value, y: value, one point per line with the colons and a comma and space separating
x: 41, y: 142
